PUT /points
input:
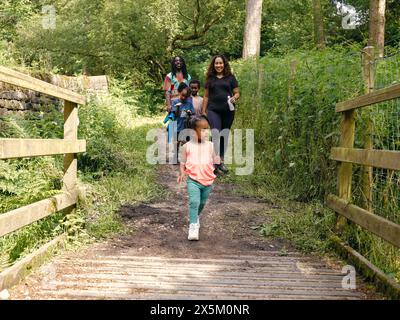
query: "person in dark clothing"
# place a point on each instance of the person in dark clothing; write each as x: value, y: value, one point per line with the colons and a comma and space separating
x: 221, y: 94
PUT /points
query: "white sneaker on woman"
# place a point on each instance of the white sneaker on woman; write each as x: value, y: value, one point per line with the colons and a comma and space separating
x: 193, y: 232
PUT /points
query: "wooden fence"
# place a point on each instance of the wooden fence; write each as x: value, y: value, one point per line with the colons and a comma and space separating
x: 70, y: 146
x: 347, y: 155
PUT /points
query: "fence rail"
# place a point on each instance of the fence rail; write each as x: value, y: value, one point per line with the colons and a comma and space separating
x: 27, y: 82
x: 378, y: 96
x: 368, y: 157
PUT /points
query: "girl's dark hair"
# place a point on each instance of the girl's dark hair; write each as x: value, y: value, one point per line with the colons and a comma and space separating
x: 182, y: 86
x: 184, y: 68
x: 194, y: 119
x: 212, y: 73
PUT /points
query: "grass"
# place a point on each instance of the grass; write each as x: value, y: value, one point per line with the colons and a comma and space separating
x: 136, y: 183
x: 307, y: 228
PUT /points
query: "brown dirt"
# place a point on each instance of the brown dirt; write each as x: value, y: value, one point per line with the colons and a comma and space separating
x: 227, y: 223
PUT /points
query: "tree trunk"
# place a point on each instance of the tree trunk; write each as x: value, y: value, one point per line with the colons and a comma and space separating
x: 252, y: 33
x: 319, y: 31
x: 377, y: 25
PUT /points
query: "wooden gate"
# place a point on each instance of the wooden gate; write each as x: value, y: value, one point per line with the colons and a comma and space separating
x: 70, y: 146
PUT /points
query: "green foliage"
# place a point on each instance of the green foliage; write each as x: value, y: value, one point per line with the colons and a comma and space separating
x: 13, y: 12
x: 378, y: 251
x: 20, y: 243
x: 133, y: 38
x: 24, y: 181
x: 306, y: 226
x: 129, y: 183
x: 293, y: 136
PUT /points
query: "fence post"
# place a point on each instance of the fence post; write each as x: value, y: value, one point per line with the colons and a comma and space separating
x: 369, y: 83
x: 345, y: 170
x: 70, y: 160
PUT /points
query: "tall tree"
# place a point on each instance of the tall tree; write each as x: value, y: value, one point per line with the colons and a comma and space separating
x: 319, y: 30
x: 377, y: 10
x: 252, y: 33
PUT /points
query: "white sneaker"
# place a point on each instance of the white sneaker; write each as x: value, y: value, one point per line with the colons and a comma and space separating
x: 193, y: 232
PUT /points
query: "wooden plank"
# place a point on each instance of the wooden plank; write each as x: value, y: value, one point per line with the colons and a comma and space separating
x: 25, y: 148
x: 381, y: 227
x: 13, y: 275
x: 86, y: 273
x: 375, y: 158
x: 367, y: 269
x: 377, y: 96
x: 127, y: 294
x: 186, y: 287
x: 19, y: 218
x: 25, y: 81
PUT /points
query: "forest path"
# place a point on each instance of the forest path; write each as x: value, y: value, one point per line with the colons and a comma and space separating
x: 156, y: 261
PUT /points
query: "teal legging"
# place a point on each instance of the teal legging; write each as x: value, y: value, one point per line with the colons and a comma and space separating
x: 198, y: 196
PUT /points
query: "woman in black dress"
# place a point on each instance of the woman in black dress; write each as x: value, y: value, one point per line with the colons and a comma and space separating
x: 221, y: 87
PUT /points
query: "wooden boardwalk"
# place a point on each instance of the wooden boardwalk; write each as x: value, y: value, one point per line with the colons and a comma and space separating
x: 121, y: 276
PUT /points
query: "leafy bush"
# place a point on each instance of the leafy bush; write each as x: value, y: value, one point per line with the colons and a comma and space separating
x: 294, y: 135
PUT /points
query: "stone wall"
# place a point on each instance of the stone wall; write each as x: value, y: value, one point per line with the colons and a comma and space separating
x: 96, y: 86
x: 16, y: 101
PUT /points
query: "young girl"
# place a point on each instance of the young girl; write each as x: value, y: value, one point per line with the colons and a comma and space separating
x: 197, y: 162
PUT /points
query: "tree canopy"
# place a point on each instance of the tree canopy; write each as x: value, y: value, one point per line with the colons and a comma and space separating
x: 136, y: 38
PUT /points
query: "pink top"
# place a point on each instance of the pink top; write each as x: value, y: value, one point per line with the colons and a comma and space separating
x: 199, y: 159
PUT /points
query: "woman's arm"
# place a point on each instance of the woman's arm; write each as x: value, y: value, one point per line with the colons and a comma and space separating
x: 205, y: 102
x: 167, y: 88
x: 168, y: 101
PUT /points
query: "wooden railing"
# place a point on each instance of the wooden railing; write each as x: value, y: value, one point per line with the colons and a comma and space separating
x: 70, y: 146
x: 346, y: 155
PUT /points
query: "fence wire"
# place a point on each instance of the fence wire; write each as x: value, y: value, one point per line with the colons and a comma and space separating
x: 387, y: 71
x: 385, y: 119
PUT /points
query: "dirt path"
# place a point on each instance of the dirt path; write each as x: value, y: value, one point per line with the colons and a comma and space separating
x: 155, y: 260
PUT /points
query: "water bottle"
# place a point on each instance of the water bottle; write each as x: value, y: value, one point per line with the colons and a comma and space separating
x: 231, y: 105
